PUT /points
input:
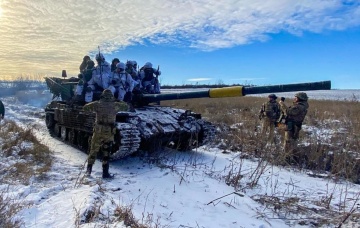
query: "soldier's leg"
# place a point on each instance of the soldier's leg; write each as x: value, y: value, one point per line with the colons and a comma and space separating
x: 263, y: 127
x: 271, y: 138
x: 296, y: 154
x: 108, y: 138
x: 106, y: 150
x: 288, y: 142
x: 94, y: 149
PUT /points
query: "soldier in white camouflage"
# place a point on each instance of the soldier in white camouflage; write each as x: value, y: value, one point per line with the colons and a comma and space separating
x: 294, y: 117
x: 269, y: 113
x: 104, y: 129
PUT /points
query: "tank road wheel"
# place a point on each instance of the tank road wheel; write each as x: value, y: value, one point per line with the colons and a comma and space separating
x: 72, y: 136
x: 57, y: 130
x: 188, y: 143
x: 49, y: 120
x: 82, y: 140
x: 63, y: 133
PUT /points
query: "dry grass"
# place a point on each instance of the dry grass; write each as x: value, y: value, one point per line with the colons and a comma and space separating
x: 329, y: 141
x: 29, y: 158
x: 8, y: 208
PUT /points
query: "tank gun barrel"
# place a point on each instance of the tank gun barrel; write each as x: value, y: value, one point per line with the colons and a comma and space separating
x: 238, y: 91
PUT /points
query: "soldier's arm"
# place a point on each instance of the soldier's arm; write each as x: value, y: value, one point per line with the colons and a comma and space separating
x: 121, y: 106
x: 89, y: 107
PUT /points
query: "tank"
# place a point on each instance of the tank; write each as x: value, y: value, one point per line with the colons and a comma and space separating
x: 151, y: 125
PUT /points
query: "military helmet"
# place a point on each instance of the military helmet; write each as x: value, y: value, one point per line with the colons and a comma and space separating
x: 301, y: 96
x: 107, y: 95
x: 99, y: 57
x: 120, y: 65
x: 86, y: 58
x: 273, y: 96
x: 148, y: 65
x: 115, y: 60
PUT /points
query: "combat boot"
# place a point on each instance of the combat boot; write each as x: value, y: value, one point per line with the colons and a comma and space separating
x: 106, y: 173
x: 88, y: 169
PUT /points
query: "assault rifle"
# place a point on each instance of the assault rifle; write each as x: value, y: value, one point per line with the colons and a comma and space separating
x: 156, y: 82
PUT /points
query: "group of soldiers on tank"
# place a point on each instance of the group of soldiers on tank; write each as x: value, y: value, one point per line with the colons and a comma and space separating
x: 273, y: 113
x: 117, y: 81
x: 121, y: 78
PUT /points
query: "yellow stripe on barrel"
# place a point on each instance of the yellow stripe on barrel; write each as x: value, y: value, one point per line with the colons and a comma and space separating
x: 234, y: 91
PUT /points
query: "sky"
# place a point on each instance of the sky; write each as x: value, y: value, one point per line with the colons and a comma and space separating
x: 192, y: 41
x: 186, y: 189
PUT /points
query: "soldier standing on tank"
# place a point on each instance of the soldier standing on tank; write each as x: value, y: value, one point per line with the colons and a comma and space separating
x: 104, y: 129
x: 294, y: 117
x: 269, y: 113
x: 2, y: 110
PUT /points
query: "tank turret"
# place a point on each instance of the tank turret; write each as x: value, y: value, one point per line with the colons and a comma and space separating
x: 150, y: 126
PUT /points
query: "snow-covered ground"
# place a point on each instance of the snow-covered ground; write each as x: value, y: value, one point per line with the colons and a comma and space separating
x: 178, y: 189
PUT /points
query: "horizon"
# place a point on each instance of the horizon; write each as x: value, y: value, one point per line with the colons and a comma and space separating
x: 202, y: 42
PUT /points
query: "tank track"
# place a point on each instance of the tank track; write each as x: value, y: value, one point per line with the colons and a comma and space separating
x: 129, y: 140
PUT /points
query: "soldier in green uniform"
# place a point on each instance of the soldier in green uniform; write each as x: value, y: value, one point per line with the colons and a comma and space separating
x: 103, y: 133
x: 2, y: 110
x: 294, y: 117
x: 269, y: 113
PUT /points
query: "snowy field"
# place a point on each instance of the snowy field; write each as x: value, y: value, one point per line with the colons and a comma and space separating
x: 187, y: 189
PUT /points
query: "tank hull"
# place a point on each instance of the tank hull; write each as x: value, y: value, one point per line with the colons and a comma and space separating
x: 148, y: 128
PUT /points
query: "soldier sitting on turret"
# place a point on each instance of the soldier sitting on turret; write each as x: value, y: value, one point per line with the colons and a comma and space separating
x: 122, y: 83
x: 131, y: 66
x: 102, y: 72
x: 150, y: 82
x: 89, y: 81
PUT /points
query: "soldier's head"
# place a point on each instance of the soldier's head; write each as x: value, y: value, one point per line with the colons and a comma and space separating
x: 90, y: 64
x: 148, y: 65
x: 86, y: 58
x: 99, y: 57
x: 272, y: 97
x: 107, y: 95
x: 115, y: 61
x: 120, y: 66
x: 134, y: 64
x: 301, y: 96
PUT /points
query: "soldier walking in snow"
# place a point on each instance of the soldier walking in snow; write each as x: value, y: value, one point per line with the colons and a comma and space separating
x: 294, y: 116
x: 104, y: 129
x: 269, y: 113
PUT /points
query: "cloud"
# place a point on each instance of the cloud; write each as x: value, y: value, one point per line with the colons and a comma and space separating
x: 47, y: 36
x: 199, y: 79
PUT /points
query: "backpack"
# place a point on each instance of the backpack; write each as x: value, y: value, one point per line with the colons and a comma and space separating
x: 271, y: 110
